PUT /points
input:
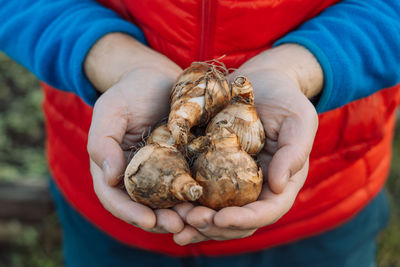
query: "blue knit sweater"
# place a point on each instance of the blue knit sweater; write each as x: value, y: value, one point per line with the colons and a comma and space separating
x: 357, y: 43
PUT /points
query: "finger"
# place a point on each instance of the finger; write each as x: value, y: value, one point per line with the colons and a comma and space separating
x: 105, y: 136
x: 168, y: 221
x: 295, y: 141
x: 183, y: 209
x: 189, y: 235
x: 202, y: 219
x: 264, y: 158
x: 268, y: 209
x: 119, y: 204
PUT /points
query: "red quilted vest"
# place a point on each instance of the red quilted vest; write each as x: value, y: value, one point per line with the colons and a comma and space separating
x: 351, y: 154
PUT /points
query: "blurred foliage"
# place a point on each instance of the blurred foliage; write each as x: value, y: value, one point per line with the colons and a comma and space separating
x: 21, y: 123
x: 389, y: 240
x: 22, y: 156
x: 32, y: 245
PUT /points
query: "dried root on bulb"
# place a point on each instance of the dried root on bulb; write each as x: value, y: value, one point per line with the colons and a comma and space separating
x: 229, y: 176
x: 158, y: 176
x: 199, y: 93
x: 241, y: 116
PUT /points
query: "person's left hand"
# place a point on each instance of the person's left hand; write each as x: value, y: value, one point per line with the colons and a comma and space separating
x: 290, y: 122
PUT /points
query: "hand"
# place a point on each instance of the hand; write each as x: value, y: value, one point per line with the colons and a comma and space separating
x: 290, y: 123
x: 140, y: 81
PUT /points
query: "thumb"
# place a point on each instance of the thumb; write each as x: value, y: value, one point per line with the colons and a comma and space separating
x: 294, y: 146
x: 105, y: 136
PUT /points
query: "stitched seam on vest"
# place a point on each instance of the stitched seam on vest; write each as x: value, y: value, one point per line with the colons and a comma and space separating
x: 160, y: 39
x: 343, y: 126
x: 368, y: 179
x: 52, y: 108
x: 351, y: 194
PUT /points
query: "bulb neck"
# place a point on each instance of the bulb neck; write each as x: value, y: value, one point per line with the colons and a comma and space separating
x: 242, y: 90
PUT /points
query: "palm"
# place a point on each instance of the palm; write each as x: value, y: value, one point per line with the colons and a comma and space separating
x: 138, y: 103
x: 290, y: 123
x: 122, y: 116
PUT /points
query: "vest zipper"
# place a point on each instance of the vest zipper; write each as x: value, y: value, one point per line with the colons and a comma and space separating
x: 207, y: 30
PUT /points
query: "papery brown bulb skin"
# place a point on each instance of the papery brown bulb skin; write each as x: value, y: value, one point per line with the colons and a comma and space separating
x: 198, y: 145
x: 241, y: 87
x: 195, y: 102
x: 162, y: 134
x: 243, y: 119
x: 229, y: 176
x: 190, y: 75
x: 158, y: 176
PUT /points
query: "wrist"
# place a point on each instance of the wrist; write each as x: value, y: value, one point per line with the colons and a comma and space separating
x: 304, y: 68
x: 296, y: 63
x: 116, y: 54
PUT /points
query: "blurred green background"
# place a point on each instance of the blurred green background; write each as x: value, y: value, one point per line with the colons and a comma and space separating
x: 22, y: 157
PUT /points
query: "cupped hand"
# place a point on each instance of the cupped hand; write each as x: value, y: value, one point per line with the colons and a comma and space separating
x: 290, y: 122
x: 122, y: 116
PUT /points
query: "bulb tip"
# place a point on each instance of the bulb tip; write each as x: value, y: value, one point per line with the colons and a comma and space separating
x: 240, y: 81
x: 195, y: 192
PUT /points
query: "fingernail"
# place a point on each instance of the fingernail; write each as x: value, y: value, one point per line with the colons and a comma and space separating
x: 105, y: 166
x: 106, y: 169
x: 202, y: 226
x: 195, y: 239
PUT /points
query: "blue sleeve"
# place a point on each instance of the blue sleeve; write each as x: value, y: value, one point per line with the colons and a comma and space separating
x: 357, y: 43
x: 52, y: 38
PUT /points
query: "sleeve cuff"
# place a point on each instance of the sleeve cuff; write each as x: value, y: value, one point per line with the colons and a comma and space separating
x: 83, y: 86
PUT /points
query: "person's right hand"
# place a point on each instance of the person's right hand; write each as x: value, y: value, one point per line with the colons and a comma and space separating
x: 140, y: 81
